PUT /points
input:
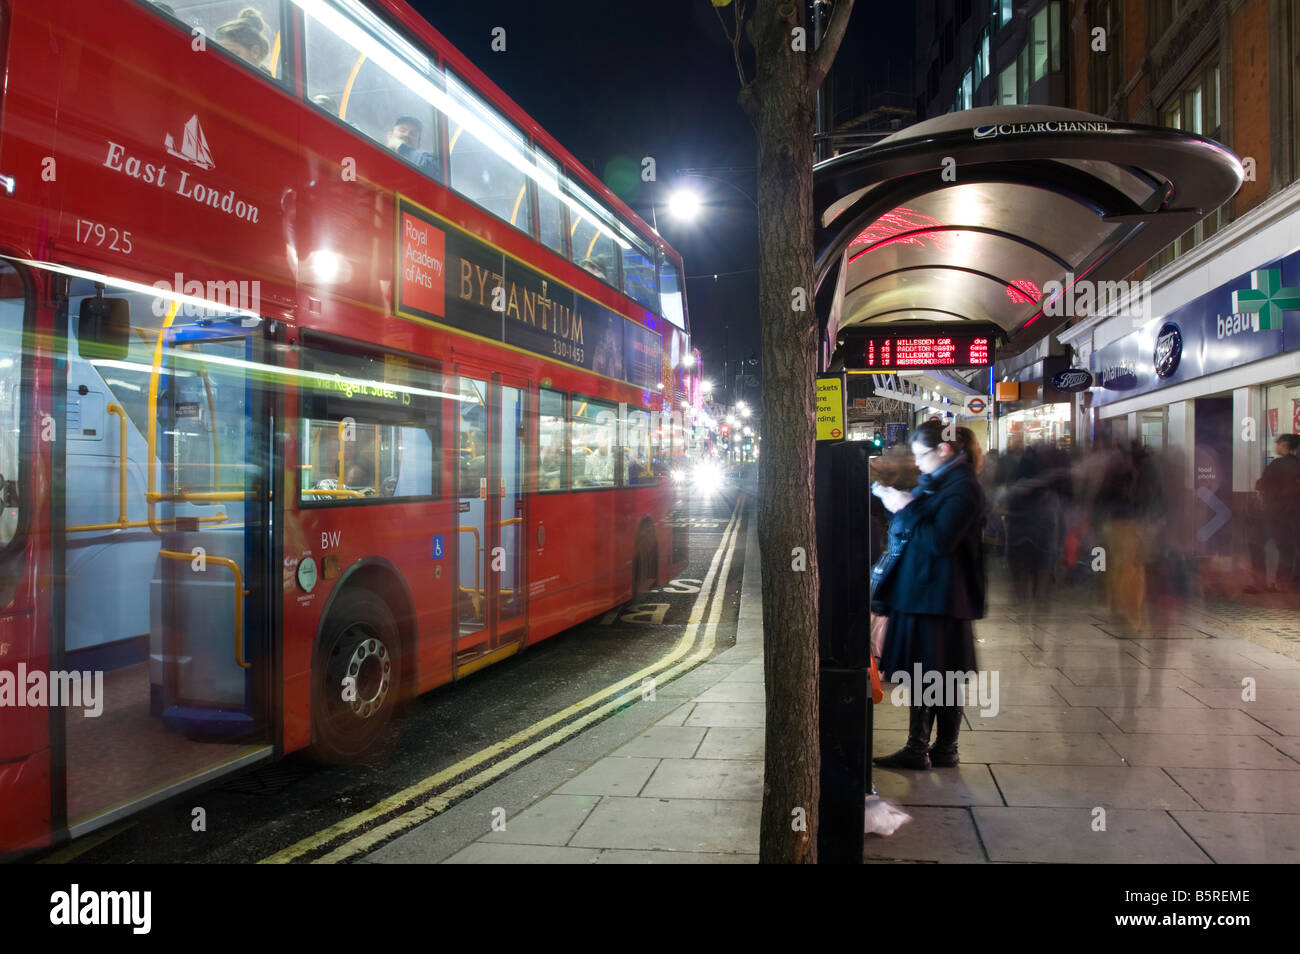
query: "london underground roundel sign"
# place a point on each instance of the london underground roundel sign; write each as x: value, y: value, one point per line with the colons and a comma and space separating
x: 975, y: 406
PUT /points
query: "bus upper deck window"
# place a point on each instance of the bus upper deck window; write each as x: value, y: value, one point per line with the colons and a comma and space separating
x: 249, y: 30
x: 388, y: 103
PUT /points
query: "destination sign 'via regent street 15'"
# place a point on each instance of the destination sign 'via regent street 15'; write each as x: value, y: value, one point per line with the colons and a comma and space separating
x: 447, y: 277
x: 938, y: 347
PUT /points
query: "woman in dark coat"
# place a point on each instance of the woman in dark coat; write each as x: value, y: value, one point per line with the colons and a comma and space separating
x: 931, y: 584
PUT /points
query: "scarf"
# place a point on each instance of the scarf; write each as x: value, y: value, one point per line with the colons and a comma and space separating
x: 926, y: 484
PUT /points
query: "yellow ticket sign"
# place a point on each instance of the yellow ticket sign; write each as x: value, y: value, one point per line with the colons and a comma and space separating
x: 830, y: 407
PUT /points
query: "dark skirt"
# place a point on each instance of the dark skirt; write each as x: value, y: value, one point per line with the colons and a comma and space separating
x: 938, y: 643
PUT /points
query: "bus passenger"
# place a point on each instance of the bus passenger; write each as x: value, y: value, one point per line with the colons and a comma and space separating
x: 593, y: 266
x: 326, y: 103
x: 404, y: 139
x: 244, y: 37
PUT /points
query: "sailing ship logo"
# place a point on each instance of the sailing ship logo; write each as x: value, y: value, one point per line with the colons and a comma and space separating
x: 194, y: 147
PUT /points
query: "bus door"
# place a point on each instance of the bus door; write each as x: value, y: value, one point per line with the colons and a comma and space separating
x: 166, y: 539
x: 491, y: 450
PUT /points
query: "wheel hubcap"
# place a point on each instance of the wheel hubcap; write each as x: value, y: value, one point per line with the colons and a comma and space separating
x: 370, y: 668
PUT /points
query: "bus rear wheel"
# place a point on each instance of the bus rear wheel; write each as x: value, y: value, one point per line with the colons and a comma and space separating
x: 646, y: 561
x: 357, y: 677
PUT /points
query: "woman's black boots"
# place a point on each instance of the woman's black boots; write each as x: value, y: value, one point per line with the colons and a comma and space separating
x: 916, y: 753
x: 943, y: 754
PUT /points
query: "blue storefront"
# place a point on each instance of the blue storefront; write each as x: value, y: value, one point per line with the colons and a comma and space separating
x: 1217, y: 379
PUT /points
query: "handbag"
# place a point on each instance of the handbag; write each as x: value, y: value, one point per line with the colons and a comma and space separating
x: 888, y: 560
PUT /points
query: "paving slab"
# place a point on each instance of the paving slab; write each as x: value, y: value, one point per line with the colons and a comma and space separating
x: 1224, y: 678
x: 706, y: 778
x: 752, y: 672
x: 1116, y: 676
x: 1069, y: 836
x: 483, y: 853
x: 1199, y: 751
x: 1241, y: 790
x: 1284, y: 721
x: 1025, y: 695
x: 611, y: 776
x: 732, y: 742
x: 728, y: 713
x: 1187, y: 721
x: 1130, y: 697
x: 967, y: 784
x: 1289, y: 746
x: 672, y: 824
x: 665, y: 742
x: 734, y: 692
x: 1108, y: 657
x: 1270, y: 659
x: 678, y: 716
x: 1232, y: 698
x: 552, y: 821
x: 628, y: 856
x: 1043, y: 719
x: 942, y: 835
x: 1240, y: 838
x: 1090, y: 786
x: 1036, y: 748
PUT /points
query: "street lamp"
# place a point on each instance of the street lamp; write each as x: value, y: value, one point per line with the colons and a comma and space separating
x: 684, y: 204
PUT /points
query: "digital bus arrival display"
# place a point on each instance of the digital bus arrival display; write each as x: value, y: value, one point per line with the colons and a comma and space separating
x: 938, y: 349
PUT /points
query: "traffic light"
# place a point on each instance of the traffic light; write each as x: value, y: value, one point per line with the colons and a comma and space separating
x: 726, y: 429
x: 875, y: 439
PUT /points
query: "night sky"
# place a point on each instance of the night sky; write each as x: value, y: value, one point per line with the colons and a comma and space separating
x: 617, y: 80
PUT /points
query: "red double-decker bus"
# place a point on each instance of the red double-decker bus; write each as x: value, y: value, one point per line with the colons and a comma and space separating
x: 326, y: 377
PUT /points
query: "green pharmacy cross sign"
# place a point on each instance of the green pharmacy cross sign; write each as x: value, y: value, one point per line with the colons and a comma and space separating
x: 1267, y: 298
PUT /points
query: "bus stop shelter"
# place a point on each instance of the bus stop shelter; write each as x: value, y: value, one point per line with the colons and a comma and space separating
x: 982, y: 219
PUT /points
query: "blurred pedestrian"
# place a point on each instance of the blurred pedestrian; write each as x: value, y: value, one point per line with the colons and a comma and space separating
x: 1280, y: 488
x: 930, y: 584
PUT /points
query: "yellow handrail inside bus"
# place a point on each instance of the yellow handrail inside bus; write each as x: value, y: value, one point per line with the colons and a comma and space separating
x: 212, y: 428
x: 514, y: 213
x: 347, y: 87
x: 342, y: 428
x: 151, y: 455
x: 275, y: 54
x: 122, y: 522
x: 240, y: 593
x: 451, y: 146
x: 121, y: 463
x: 593, y: 244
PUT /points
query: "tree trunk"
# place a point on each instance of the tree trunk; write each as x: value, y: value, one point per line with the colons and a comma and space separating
x: 782, y: 109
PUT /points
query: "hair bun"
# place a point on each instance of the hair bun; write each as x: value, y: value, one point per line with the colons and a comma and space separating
x: 254, y: 19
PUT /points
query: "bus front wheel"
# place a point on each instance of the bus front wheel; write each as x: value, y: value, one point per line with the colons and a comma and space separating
x: 357, y: 676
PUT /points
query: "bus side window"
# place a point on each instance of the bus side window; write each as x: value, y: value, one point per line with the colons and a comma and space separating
x: 480, y: 151
x: 553, y: 451
x: 551, y: 228
x: 639, y: 280
x: 594, y: 443
x: 368, y: 431
x: 249, y: 30
x: 639, y: 466
x: 345, y: 83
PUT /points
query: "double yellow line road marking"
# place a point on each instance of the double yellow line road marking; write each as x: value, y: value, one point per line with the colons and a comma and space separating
x: 366, y: 829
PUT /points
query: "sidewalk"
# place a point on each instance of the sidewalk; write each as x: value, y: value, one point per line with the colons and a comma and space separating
x: 678, y: 779
x: 1104, y: 749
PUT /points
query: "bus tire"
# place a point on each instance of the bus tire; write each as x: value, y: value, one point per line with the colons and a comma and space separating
x: 356, y: 677
x: 646, y: 561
